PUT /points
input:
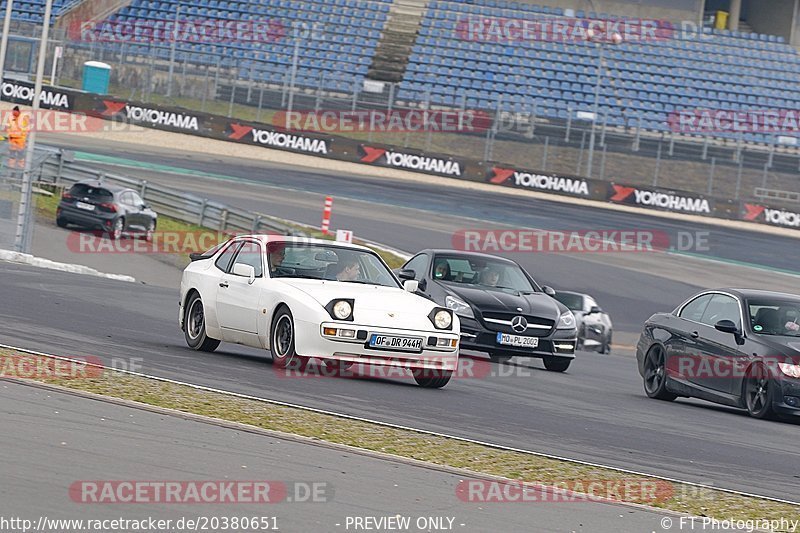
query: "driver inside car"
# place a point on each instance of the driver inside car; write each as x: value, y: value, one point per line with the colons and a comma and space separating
x: 276, y: 253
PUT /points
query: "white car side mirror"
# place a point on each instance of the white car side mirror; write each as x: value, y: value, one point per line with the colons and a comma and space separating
x: 246, y: 271
x: 411, y: 285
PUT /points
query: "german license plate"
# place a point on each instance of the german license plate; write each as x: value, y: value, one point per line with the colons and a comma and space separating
x: 517, y: 340
x: 85, y: 207
x: 391, y: 342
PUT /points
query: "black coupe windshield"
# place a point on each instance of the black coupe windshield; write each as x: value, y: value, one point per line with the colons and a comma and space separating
x: 332, y: 263
x: 481, y: 272
x: 774, y: 317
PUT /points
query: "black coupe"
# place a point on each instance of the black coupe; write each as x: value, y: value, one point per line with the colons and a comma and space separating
x: 735, y: 347
x: 502, y: 310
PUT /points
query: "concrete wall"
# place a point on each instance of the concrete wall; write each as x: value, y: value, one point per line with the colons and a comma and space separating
x: 674, y: 10
x: 774, y: 17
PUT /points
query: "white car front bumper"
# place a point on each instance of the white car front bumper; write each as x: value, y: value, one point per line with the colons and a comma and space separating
x: 311, y: 342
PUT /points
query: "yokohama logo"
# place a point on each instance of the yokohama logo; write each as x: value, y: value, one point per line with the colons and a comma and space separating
x: 776, y: 217
x: 672, y: 202
x: 13, y: 91
x: 278, y: 139
x: 540, y: 181
x: 151, y: 116
x: 412, y: 161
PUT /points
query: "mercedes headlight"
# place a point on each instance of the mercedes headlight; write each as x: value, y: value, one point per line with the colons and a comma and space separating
x: 459, y: 306
x: 566, y: 321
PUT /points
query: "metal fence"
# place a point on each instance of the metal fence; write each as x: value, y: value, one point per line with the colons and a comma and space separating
x: 57, y: 167
x: 623, y: 151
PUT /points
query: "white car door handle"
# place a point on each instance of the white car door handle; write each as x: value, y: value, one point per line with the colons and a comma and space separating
x: 223, y: 284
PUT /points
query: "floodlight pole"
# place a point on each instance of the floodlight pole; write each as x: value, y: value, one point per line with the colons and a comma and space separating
x: 22, y: 240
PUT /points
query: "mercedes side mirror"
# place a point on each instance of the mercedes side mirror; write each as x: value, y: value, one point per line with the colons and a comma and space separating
x: 594, y: 310
x: 407, y: 273
x: 549, y: 291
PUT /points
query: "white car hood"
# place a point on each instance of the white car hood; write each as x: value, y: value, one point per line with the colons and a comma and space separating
x: 373, y: 303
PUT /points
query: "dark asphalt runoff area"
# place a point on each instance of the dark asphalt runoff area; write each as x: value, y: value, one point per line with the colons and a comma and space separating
x: 596, y: 411
x: 54, y: 441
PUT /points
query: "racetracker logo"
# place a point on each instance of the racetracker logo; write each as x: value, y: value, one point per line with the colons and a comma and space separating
x: 699, y: 367
x: 585, y: 241
x: 775, y: 217
x: 383, y: 121
x: 277, y: 139
x: 468, y: 368
x: 567, y: 491
x: 729, y: 121
x: 160, y: 242
x: 155, y: 117
x: 541, y: 182
x: 669, y: 201
x: 198, y: 492
x: 169, y: 30
x: 421, y: 163
x: 24, y: 366
x: 562, y: 30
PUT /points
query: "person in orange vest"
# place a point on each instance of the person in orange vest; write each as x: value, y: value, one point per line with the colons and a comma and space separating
x: 16, y: 129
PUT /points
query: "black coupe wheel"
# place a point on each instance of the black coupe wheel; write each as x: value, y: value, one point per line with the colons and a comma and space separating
x: 556, y: 364
x: 758, y: 393
x: 655, y: 375
x: 194, y: 326
x: 432, y: 379
x: 282, y: 346
x: 61, y: 223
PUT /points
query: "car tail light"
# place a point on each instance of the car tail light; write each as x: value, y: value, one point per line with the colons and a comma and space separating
x: 66, y: 196
x: 107, y: 206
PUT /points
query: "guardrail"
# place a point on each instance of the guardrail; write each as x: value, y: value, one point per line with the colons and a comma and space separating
x: 59, y: 168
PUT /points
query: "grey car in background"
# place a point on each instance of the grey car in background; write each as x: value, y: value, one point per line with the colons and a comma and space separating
x: 594, y: 324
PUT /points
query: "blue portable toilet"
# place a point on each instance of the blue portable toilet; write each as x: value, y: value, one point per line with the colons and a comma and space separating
x: 96, y: 76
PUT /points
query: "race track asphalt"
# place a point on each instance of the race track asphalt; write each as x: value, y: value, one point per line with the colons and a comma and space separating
x: 595, y: 412
x: 96, y: 441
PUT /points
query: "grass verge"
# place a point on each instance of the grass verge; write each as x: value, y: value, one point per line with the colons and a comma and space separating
x: 404, y: 443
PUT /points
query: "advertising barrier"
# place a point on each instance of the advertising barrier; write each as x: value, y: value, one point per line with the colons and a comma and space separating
x: 181, y: 120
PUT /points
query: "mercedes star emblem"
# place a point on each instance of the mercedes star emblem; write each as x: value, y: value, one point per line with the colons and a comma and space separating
x: 519, y: 324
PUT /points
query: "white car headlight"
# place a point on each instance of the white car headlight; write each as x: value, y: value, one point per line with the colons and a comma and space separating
x: 442, y: 319
x: 793, y: 371
x: 566, y: 321
x: 342, y: 310
x: 459, y: 306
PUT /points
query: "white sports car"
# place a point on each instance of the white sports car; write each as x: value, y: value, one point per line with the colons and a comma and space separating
x: 303, y: 298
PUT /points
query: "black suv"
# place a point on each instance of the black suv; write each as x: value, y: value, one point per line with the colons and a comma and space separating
x: 113, y: 209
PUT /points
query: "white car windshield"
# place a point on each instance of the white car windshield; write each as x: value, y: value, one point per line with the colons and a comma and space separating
x: 333, y: 263
x: 481, y: 272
